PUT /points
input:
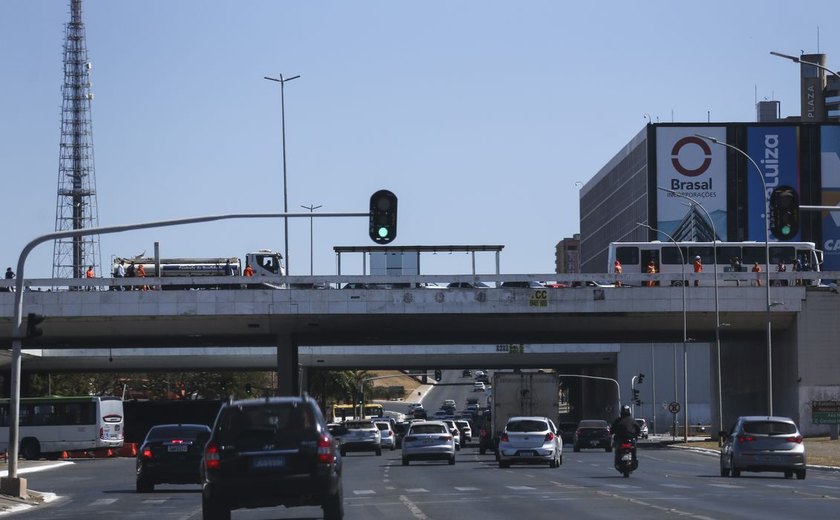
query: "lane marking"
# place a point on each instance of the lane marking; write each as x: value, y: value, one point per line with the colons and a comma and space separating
x: 364, y: 492
x: 467, y: 488
x: 727, y: 486
x: 416, y: 490
x: 413, y: 509
x: 521, y: 488
x: 678, y: 486
x: 103, y: 501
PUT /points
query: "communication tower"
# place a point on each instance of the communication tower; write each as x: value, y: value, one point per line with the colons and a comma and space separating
x: 76, y: 202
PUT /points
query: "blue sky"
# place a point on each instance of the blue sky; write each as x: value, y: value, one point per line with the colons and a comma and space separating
x: 483, y: 117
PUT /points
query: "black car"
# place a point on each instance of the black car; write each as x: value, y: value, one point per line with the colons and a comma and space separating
x: 270, y: 452
x: 171, y: 454
x: 567, y: 431
x: 400, y: 430
x: 592, y: 433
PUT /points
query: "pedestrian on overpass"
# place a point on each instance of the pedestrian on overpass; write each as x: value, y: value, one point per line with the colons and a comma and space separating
x: 651, y: 269
x: 698, y: 268
x: 618, y: 270
x: 10, y: 275
x: 757, y: 270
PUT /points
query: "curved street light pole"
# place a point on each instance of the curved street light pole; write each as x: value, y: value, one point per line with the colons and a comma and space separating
x: 717, y: 305
x: 799, y: 60
x: 282, y: 82
x: 766, y: 268
x: 685, y: 323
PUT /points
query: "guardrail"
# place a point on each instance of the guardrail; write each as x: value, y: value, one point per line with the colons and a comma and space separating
x: 439, y: 282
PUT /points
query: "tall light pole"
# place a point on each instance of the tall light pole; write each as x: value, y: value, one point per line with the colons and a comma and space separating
x: 766, y: 267
x: 685, y: 323
x: 282, y: 82
x: 311, y: 208
x: 717, y: 300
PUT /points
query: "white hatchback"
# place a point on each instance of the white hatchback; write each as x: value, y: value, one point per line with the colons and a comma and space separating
x: 530, y: 440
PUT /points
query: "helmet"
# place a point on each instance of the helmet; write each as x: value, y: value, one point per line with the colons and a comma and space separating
x: 625, y: 410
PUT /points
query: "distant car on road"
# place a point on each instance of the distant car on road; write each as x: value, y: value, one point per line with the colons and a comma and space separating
x: 465, y: 429
x: 643, y: 428
x: 567, y: 431
x: 478, y: 386
x: 762, y: 443
x: 361, y: 435
x: 592, y: 433
x: 387, y: 435
x: 171, y: 454
x: 530, y: 440
x: 524, y: 284
x: 428, y: 440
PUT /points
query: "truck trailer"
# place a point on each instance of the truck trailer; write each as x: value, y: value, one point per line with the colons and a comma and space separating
x: 523, y: 393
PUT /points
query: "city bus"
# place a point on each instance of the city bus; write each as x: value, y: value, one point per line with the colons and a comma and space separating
x: 52, y: 425
x: 635, y: 256
x: 342, y: 412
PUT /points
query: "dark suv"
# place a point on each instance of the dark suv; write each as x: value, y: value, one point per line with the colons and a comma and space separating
x: 270, y: 452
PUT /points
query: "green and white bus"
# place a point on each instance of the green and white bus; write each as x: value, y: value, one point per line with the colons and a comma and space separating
x: 52, y: 425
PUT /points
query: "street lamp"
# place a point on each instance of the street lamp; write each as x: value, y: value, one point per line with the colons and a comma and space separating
x: 282, y: 82
x: 799, y: 60
x: 717, y: 306
x: 311, y: 208
x: 685, y: 332
x: 767, y: 265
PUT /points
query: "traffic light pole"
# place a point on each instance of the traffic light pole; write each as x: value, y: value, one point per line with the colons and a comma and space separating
x: 13, y: 485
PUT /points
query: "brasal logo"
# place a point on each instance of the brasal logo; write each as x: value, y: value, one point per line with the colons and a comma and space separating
x: 691, y: 140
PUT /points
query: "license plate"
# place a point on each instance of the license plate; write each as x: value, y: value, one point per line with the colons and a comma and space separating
x: 593, y: 443
x: 268, y: 462
x: 176, y: 448
x: 626, y: 457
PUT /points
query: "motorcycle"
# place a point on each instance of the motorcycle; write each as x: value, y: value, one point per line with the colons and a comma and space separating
x: 625, y: 457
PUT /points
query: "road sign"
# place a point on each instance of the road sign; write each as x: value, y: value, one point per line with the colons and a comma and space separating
x: 825, y: 412
x: 674, y: 407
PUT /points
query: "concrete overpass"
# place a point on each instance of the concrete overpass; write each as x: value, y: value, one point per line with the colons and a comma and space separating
x: 805, y: 328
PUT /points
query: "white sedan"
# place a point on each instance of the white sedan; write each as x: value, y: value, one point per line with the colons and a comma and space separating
x: 478, y: 386
x: 530, y: 440
x: 428, y: 440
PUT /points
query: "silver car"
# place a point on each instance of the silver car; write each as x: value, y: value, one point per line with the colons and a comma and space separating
x: 428, y: 440
x: 762, y: 443
x: 530, y: 440
x: 360, y: 435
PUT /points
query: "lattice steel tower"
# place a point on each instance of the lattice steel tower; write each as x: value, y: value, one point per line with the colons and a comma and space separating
x: 76, y: 202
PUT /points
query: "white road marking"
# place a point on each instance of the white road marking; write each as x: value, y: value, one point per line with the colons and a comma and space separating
x: 416, y: 490
x: 364, y: 492
x: 727, y: 486
x: 103, y: 501
x: 412, y: 507
x: 679, y: 486
x: 520, y: 488
x: 467, y: 489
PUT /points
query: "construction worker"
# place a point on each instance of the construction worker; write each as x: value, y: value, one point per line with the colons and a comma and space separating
x: 698, y: 268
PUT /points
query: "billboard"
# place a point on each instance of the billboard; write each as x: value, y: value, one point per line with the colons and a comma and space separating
x: 830, y: 167
x: 693, y: 167
x: 775, y: 151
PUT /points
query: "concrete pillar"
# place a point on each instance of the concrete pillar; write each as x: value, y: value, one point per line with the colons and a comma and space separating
x: 287, y: 366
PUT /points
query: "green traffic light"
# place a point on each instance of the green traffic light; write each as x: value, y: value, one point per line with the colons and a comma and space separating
x: 383, y: 232
x: 785, y: 230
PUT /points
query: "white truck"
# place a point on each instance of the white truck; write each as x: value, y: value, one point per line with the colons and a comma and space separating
x: 264, y: 263
x: 523, y: 393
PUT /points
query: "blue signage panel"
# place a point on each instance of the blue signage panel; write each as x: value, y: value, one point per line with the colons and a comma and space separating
x: 776, y: 152
x: 830, y: 168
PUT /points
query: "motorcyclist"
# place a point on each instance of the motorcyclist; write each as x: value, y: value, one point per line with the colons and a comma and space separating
x: 624, y: 428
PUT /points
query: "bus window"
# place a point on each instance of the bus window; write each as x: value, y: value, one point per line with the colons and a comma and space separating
x: 752, y: 254
x: 782, y: 253
x: 627, y: 255
x: 726, y: 254
x: 671, y: 255
x: 706, y: 254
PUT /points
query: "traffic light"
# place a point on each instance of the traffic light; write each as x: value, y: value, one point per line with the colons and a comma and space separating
x: 784, y: 213
x: 248, y: 388
x: 636, y: 396
x: 32, y: 328
x: 640, y: 379
x: 383, y: 217
x: 438, y: 375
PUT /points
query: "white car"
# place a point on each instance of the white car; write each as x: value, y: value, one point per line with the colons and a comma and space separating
x: 428, y: 440
x: 387, y: 435
x: 530, y: 440
x: 360, y: 435
x: 478, y: 386
x: 456, y: 433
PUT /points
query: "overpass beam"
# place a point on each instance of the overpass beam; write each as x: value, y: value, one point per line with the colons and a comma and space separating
x: 288, y: 380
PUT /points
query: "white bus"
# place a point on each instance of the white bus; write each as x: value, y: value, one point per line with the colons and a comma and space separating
x: 635, y: 256
x: 52, y: 425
